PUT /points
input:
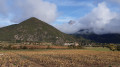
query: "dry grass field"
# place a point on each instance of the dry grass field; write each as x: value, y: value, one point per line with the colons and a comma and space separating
x: 59, y: 58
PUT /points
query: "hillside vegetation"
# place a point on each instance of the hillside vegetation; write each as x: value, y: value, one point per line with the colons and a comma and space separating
x: 103, y: 38
x: 33, y: 30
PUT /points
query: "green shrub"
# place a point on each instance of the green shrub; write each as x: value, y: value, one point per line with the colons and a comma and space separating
x: 112, y: 47
x: 75, y: 47
x: 1, y: 47
x: 118, y: 47
x: 24, y: 47
x: 48, y: 47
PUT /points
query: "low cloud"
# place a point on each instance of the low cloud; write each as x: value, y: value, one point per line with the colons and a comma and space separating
x: 100, y: 20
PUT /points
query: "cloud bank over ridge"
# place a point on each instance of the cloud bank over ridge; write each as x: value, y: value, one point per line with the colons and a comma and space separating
x: 100, y: 20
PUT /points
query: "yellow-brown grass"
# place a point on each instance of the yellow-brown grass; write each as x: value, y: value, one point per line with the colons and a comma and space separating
x: 60, y: 58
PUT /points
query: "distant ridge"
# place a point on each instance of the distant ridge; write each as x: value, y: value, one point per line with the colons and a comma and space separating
x: 104, y: 38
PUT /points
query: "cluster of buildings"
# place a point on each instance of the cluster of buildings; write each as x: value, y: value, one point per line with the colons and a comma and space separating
x: 71, y: 44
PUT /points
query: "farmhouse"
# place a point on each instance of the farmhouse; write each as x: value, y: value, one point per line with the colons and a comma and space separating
x: 71, y: 43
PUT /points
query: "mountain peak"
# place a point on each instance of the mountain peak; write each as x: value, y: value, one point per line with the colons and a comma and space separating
x: 33, y: 18
x: 71, y: 22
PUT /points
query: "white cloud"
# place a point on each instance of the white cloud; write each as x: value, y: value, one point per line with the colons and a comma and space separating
x: 68, y: 28
x: 100, y: 20
x: 64, y: 26
x: 3, y: 8
x: 24, y: 9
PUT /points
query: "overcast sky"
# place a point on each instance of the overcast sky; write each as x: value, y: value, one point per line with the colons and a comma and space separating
x: 99, y: 16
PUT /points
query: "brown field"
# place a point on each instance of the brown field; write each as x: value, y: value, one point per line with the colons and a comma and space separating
x: 59, y: 58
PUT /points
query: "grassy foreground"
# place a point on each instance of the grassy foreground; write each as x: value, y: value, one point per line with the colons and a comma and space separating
x: 97, y: 48
x: 59, y: 58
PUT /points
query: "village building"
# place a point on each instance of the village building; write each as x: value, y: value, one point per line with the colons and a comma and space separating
x: 71, y: 44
